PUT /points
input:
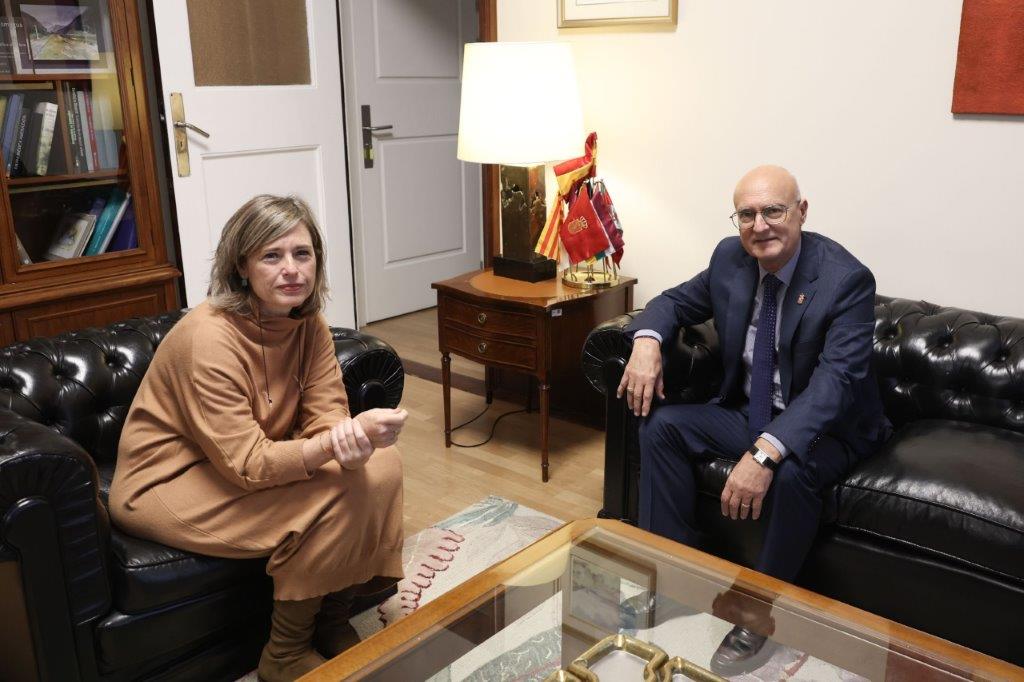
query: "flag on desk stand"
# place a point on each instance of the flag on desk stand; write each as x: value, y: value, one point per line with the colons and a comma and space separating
x: 583, y: 217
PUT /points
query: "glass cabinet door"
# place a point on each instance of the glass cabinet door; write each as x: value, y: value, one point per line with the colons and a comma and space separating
x: 62, y: 142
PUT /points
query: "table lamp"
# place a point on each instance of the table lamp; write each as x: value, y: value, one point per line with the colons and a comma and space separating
x: 521, y: 109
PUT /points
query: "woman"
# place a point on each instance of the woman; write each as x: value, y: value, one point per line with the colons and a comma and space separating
x: 240, y: 444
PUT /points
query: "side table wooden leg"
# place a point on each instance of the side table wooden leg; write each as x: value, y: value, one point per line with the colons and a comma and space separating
x: 489, y: 385
x: 544, y: 405
x: 446, y: 389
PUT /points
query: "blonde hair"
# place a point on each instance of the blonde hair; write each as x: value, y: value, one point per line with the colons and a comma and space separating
x: 260, y: 221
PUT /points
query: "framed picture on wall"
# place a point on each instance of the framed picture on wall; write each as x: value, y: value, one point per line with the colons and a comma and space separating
x: 581, y: 13
x: 603, y: 588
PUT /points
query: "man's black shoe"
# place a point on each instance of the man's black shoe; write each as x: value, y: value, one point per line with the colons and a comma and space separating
x: 742, y: 651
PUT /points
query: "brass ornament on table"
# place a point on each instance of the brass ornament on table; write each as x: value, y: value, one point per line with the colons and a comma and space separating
x: 658, y: 667
x: 681, y: 666
x: 585, y: 276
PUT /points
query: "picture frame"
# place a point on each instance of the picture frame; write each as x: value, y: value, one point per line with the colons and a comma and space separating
x: 590, y: 13
x: 84, y: 28
x: 598, y: 584
x: 72, y: 236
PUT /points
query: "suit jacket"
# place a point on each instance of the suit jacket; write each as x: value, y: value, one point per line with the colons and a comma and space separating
x: 825, y: 341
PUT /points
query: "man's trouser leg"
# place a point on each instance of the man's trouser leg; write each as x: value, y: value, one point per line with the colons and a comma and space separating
x: 671, y: 440
x: 794, y: 503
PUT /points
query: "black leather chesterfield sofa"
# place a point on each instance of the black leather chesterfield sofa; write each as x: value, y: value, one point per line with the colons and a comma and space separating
x: 81, y: 600
x: 929, y: 531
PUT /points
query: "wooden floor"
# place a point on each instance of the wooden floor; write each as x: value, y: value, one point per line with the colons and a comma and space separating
x: 441, y: 481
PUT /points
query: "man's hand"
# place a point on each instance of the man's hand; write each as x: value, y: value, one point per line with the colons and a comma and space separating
x: 642, y: 378
x: 382, y: 425
x: 350, y: 444
x: 747, y: 485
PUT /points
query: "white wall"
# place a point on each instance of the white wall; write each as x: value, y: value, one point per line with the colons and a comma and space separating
x: 853, y: 97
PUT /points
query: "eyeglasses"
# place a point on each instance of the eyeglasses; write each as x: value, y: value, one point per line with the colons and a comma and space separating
x: 775, y: 214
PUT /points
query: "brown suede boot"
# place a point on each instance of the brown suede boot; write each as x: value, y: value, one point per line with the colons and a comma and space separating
x: 289, y: 654
x: 334, y: 633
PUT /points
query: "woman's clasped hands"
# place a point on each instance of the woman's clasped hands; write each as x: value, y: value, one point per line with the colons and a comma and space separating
x: 353, y: 439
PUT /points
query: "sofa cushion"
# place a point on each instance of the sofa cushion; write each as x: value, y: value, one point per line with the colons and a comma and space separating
x: 147, y: 575
x: 952, y: 488
x: 130, y: 641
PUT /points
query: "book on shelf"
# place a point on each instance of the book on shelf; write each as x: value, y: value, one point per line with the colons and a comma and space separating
x: 39, y: 139
x: 108, y: 222
x: 11, y: 117
x: 107, y: 136
x: 72, y: 236
x: 126, y: 236
x: 77, y: 162
x: 17, y: 167
x: 6, y: 46
x: 21, y: 53
x: 77, y: 111
x: 89, y: 125
x: 3, y: 108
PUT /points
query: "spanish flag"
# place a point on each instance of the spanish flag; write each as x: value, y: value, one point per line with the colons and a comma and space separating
x: 567, y: 174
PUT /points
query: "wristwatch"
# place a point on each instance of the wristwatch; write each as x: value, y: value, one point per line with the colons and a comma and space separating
x: 763, y: 458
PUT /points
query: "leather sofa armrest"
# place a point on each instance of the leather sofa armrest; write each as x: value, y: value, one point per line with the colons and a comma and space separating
x: 371, y: 369
x: 692, y: 374
x: 606, y: 353
x: 52, y: 519
x: 693, y: 370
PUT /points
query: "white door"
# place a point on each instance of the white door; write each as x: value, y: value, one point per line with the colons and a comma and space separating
x: 262, y: 77
x: 416, y: 212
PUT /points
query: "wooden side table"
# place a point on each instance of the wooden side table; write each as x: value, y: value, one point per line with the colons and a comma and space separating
x: 535, y: 328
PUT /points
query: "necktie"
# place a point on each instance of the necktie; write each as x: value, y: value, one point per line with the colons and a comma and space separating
x: 762, y: 371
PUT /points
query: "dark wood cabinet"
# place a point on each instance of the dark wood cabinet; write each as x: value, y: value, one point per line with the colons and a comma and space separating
x: 81, y: 228
x: 536, y: 329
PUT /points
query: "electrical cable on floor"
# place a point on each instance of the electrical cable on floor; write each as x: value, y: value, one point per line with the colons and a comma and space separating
x: 493, y: 426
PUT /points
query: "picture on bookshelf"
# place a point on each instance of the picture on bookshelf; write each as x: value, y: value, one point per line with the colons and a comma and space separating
x: 72, y: 236
x: 64, y: 36
x: 60, y: 33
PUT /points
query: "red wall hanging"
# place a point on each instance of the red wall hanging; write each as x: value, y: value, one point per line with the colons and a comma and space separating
x: 990, y: 60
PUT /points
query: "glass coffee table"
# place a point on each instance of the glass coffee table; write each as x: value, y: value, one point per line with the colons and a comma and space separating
x: 600, y: 599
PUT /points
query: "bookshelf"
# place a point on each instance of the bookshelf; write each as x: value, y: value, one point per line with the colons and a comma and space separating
x: 81, y: 228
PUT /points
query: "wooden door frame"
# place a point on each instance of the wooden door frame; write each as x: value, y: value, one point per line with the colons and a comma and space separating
x: 487, y: 11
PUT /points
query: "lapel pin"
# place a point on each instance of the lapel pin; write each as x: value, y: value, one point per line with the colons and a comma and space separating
x: 800, y: 299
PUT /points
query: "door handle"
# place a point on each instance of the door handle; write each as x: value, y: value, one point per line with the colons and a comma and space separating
x: 181, y: 126
x: 368, y: 131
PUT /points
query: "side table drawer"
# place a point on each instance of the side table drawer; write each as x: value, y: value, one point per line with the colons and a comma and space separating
x: 490, y: 351
x: 490, y: 319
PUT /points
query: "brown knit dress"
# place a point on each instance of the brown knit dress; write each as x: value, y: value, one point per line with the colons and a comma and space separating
x: 208, y: 465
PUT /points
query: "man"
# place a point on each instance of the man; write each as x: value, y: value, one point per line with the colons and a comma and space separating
x: 798, y: 405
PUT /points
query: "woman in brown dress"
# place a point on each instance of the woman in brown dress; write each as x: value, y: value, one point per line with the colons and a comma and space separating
x: 240, y: 444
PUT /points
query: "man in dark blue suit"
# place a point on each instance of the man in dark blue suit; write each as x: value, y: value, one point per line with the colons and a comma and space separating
x: 798, y: 405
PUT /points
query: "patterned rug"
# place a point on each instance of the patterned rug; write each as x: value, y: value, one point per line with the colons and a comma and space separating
x: 453, y: 551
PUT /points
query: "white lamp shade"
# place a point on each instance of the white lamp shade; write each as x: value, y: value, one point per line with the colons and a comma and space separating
x: 520, y: 104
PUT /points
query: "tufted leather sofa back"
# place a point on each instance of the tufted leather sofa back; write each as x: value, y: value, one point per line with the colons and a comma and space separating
x: 81, y: 384
x: 948, y: 363
x: 932, y: 362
